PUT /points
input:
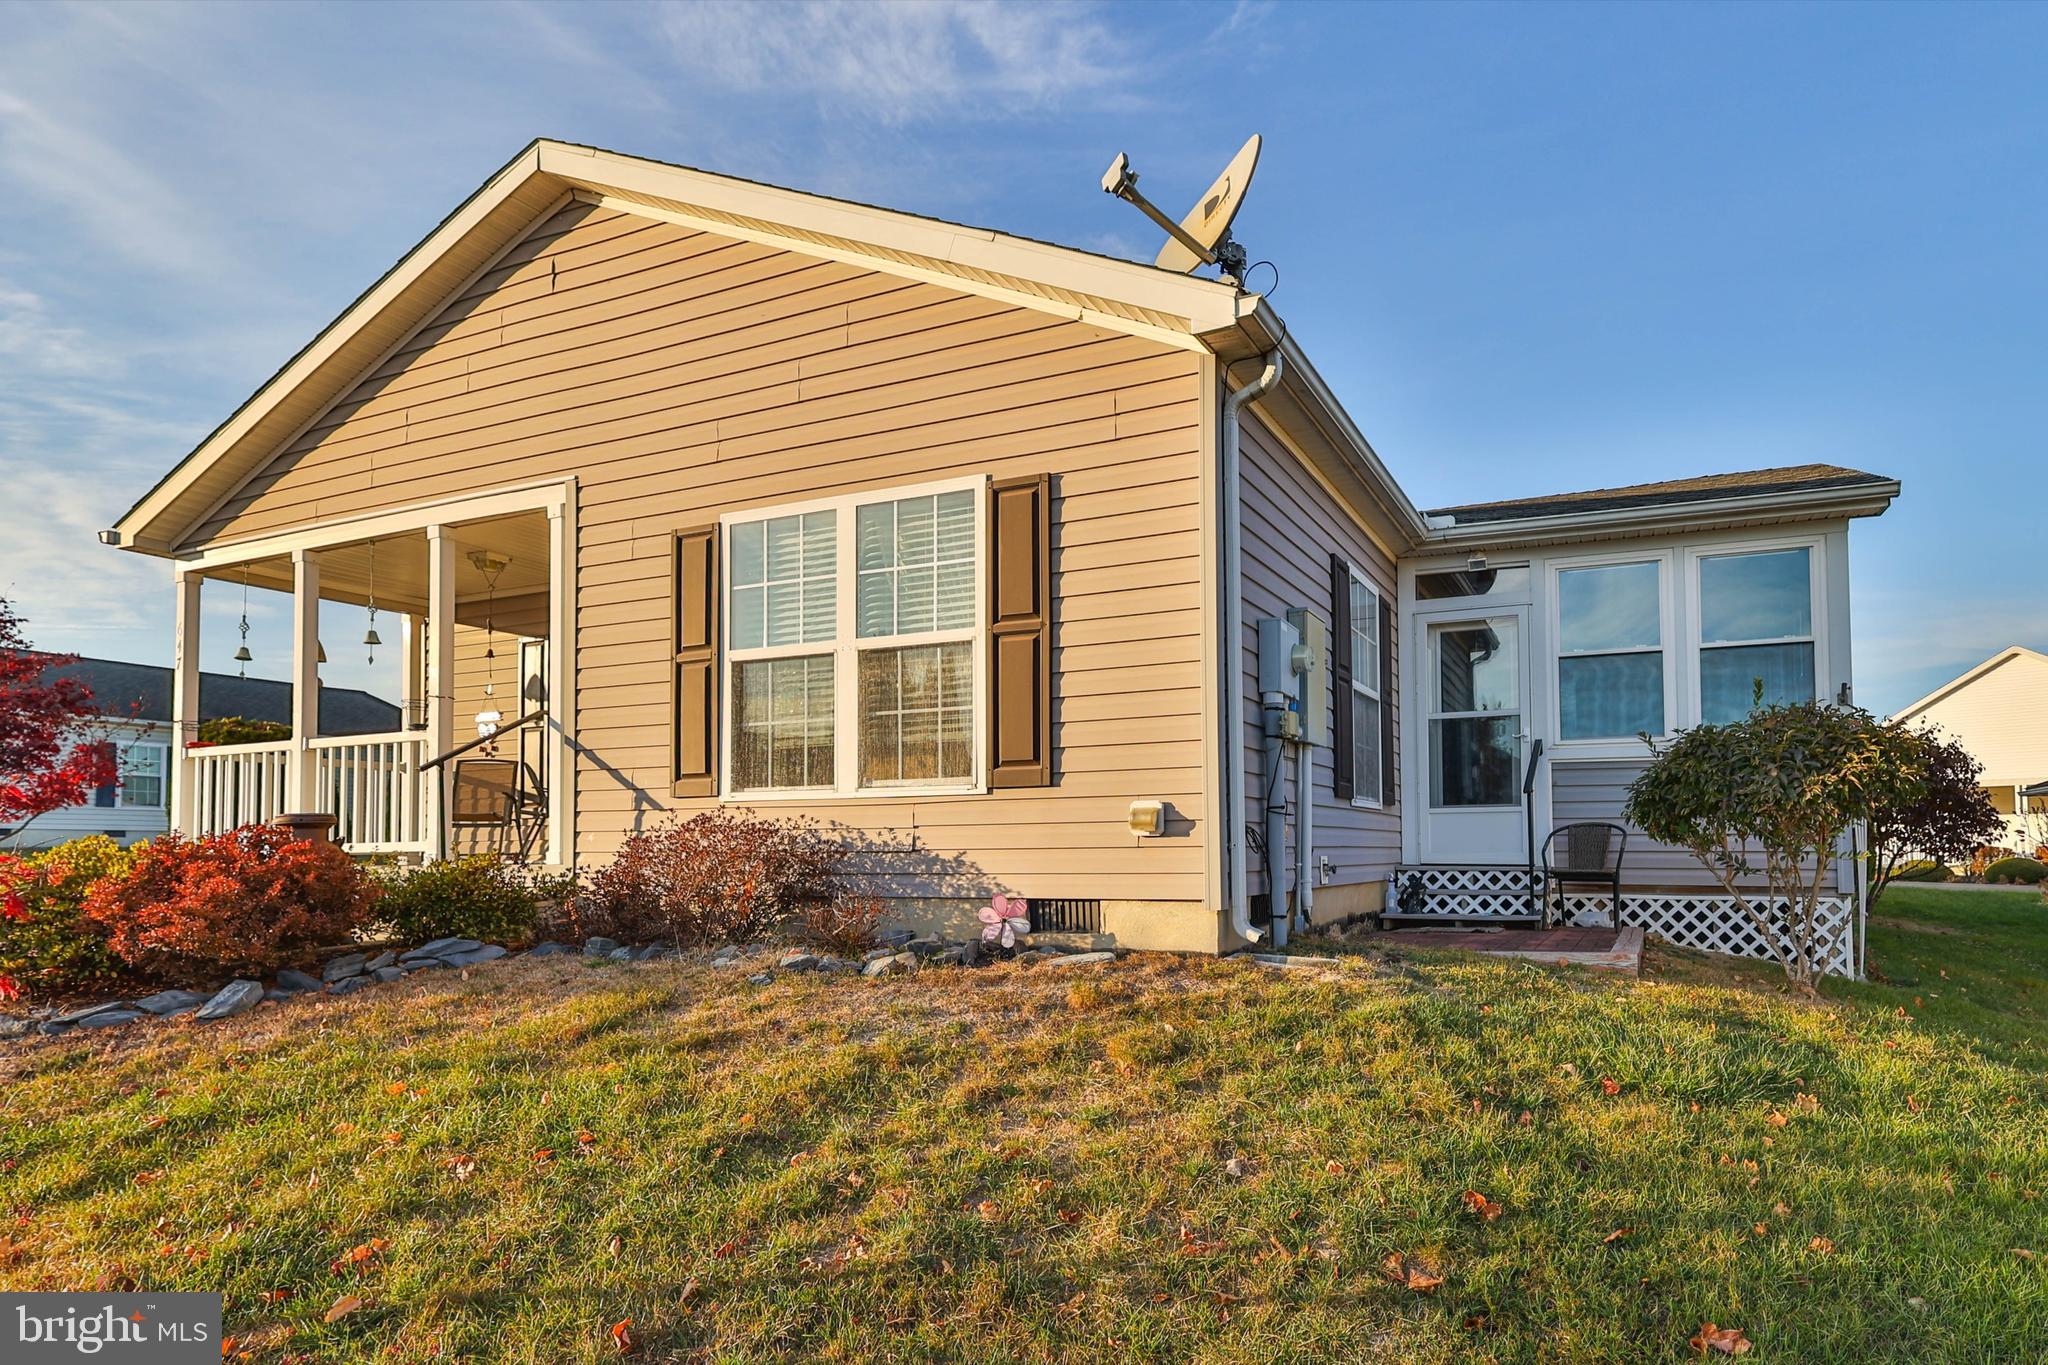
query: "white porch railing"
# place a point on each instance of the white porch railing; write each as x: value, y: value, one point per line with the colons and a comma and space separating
x: 371, y: 785
x: 237, y: 784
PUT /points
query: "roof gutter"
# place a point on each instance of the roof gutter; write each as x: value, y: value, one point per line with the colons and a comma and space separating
x: 1860, y: 500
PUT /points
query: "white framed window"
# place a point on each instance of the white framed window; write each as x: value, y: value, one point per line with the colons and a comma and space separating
x: 1611, y: 633
x: 854, y: 644
x: 1368, y: 769
x: 1757, y: 628
x: 143, y: 766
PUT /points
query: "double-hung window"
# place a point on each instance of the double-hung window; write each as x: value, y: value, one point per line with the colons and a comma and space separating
x: 1610, y: 651
x: 142, y: 774
x: 1367, y: 769
x: 853, y: 643
x: 1756, y: 630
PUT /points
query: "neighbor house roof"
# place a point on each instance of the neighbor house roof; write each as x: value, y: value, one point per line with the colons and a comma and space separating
x: 1957, y: 684
x: 1805, y: 492
x: 130, y: 691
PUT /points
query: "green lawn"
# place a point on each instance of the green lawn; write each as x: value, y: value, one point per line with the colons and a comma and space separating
x: 1030, y: 1164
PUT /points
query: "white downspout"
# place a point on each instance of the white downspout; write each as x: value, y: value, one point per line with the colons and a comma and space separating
x: 1233, y: 652
x: 1305, y: 832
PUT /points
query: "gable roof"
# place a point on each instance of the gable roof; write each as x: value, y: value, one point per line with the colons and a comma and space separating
x: 131, y: 691
x: 1957, y: 684
x: 1122, y: 295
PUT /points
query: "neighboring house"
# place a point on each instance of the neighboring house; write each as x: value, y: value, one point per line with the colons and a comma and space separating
x: 1999, y: 712
x: 961, y: 542
x: 134, y: 703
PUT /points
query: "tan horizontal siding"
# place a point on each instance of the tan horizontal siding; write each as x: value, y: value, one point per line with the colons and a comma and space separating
x: 680, y: 375
x: 1291, y: 525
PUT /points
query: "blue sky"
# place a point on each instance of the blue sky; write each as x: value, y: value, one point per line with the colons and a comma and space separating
x: 1533, y: 247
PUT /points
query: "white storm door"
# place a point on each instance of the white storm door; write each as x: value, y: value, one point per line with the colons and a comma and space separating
x: 1476, y: 688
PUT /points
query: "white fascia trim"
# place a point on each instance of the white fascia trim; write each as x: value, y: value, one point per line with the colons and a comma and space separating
x: 1954, y: 685
x: 1861, y: 500
x: 551, y: 496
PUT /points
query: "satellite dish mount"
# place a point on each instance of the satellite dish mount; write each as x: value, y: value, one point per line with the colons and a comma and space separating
x: 1202, y: 237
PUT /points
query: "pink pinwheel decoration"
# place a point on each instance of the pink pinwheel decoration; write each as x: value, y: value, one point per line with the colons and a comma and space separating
x: 1003, y: 918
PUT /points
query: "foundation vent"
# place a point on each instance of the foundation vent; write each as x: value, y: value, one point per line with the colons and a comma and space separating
x: 1066, y: 916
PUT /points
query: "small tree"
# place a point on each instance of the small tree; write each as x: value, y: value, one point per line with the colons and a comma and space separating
x: 50, y: 750
x: 1785, y: 784
x: 1949, y: 819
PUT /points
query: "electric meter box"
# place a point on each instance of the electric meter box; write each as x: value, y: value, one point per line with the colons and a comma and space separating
x: 1312, y: 690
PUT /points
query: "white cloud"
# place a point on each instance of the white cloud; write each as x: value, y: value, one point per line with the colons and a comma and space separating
x: 903, y: 60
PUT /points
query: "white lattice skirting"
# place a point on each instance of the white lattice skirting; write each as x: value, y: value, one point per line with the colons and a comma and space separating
x: 1690, y: 919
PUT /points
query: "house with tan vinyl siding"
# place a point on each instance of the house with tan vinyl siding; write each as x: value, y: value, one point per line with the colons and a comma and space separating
x: 960, y: 543
x: 1998, y: 711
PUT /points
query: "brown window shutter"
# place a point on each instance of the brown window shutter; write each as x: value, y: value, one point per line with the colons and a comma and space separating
x: 1390, y: 773
x: 695, y: 698
x: 1020, y: 632
x: 1343, y: 780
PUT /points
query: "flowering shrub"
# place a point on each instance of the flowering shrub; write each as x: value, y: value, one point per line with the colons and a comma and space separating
x: 45, y: 943
x: 481, y: 896
x: 847, y: 925
x: 716, y: 877
x: 249, y: 900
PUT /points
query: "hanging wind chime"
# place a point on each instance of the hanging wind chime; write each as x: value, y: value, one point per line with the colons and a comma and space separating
x: 242, y: 654
x: 370, y: 640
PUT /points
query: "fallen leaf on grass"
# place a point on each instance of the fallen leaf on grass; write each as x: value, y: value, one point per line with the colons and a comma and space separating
x: 1609, y: 1086
x: 1762, y: 1229
x: 544, y: 1154
x: 1482, y: 1206
x: 395, y: 1088
x: 1729, y: 1341
x: 1411, y: 1273
x: 612, y: 1247
x: 989, y: 1209
x: 622, y: 1336
x: 274, y: 1295
x: 1821, y: 1245
x: 1615, y: 1236
x: 343, y: 1306
x: 1807, y: 1104
x: 2023, y: 1253
x: 1776, y: 1119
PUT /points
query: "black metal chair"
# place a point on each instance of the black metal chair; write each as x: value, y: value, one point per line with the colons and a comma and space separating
x: 1592, y: 852
x: 504, y: 794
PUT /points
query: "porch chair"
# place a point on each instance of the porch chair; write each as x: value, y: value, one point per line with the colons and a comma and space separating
x: 504, y: 794
x: 1592, y: 852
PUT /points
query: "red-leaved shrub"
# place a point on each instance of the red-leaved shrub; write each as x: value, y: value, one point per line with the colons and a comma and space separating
x: 717, y: 877
x: 247, y: 901
x: 846, y: 925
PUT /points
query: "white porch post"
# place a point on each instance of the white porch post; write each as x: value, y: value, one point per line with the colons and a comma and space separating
x: 413, y: 687
x: 561, y: 721
x: 184, y: 698
x: 440, y: 676
x: 300, y: 781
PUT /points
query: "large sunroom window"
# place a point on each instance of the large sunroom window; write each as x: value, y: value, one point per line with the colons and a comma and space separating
x: 1756, y: 631
x: 892, y: 664
x: 1610, y: 651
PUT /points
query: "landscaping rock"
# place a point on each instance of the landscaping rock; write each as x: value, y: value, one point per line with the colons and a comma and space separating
x: 381, y: 960
x: 1079, y: 959
x: 292, y: 981
x: 446, y: 947
x: 275, y: 996
x: 110, y: 1018
x: 79, y: 1016
x: 237, y: 997
x: 893, y: 965
x: 797, y: 960
x: 894, y: 938
x: 411, y: 963
x: 599, y: 947
x: 722, y: 962
x: 760, y: 978
x: 728, y: 950
x: 621, y: 954
x: 654, y: 951
x: 350, y: 985
x: 14, y: 1026
x: 387, y: 975
x: 347, y: 965
x: 475, y: 957
x: 929, y: 946
x: 549, y: 949
x: 952, y: 957
x: 52, y: 1028
x: 168, y: 1003
x: 877, y: 954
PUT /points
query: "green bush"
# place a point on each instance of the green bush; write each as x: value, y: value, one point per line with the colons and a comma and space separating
x: 2023, y: 870
x: 239, y: 730
x: 480, y: 896
x: 46, y: 944
x: 1923, y: 870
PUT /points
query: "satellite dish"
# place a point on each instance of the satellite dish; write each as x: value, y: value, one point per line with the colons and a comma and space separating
x: 1202, y: 237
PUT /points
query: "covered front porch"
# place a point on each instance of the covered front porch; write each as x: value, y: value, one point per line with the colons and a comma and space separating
x: 463, y: 599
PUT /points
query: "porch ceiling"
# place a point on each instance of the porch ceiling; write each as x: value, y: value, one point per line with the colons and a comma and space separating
x: 401, y: 567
